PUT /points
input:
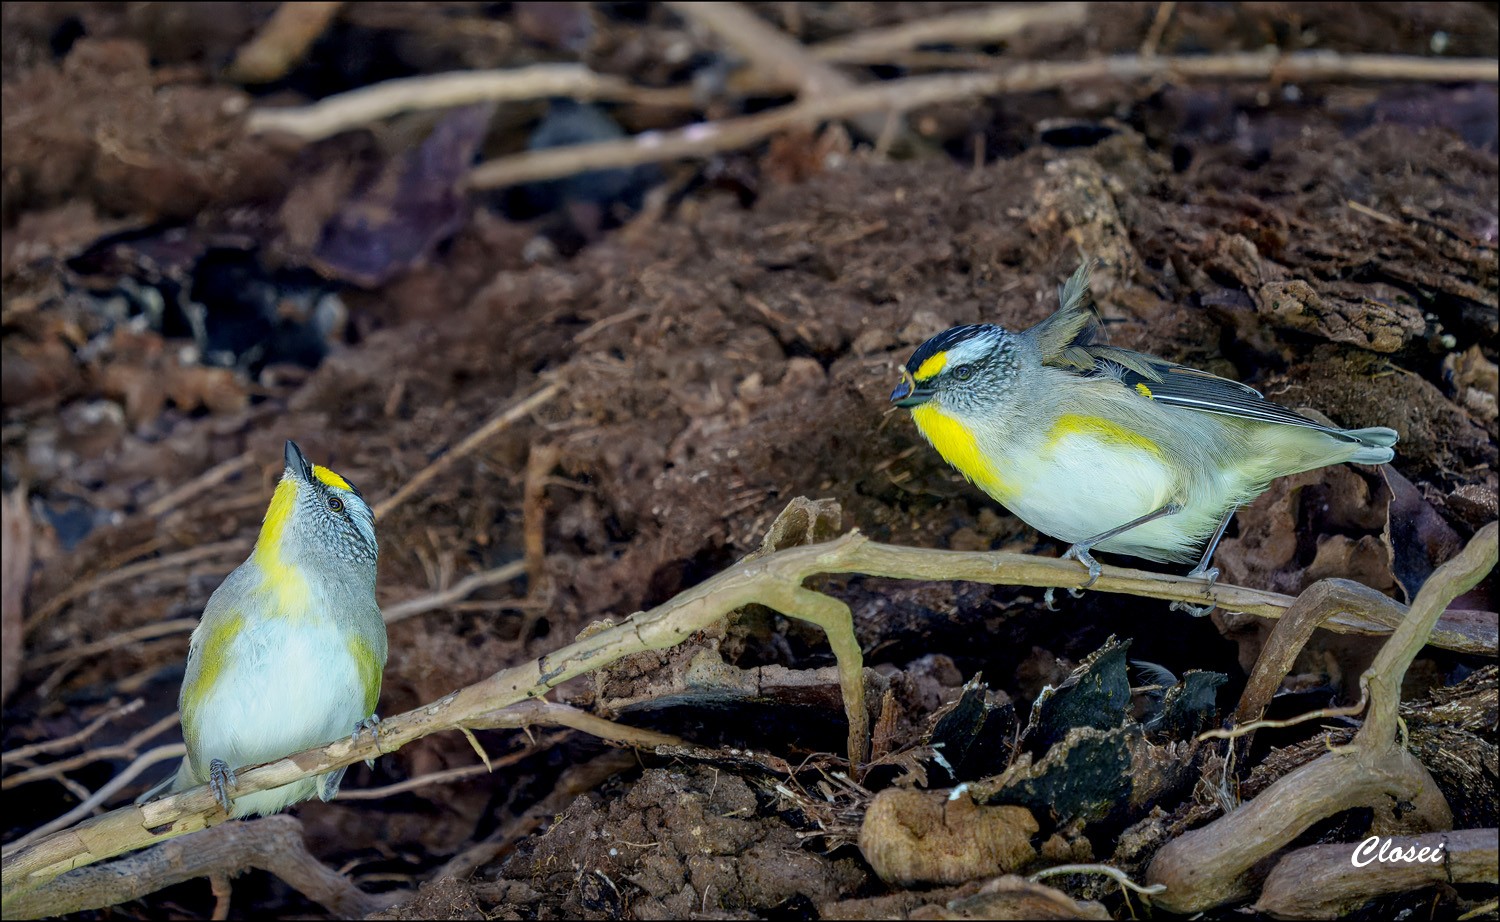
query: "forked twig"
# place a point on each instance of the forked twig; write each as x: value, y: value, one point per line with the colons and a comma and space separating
x: 470, y: 443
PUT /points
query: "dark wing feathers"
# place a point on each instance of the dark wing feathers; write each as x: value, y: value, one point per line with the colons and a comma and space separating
x: 1198, y: 390
x: 1066, y: 341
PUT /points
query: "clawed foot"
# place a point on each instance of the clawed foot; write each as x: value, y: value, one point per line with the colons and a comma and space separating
x: 1080, y: 553
x: 220, y: 779
x: 1049, y: 600
x: 1197, y: 611
x: 370, y: 725
x: 1211, y: 575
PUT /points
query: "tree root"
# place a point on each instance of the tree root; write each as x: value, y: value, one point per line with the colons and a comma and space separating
x: 1321, y: 882
x: 1212, y: 866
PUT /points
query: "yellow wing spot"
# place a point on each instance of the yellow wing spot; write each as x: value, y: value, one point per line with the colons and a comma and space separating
x: 957, y: 445
x: 1102, y: 430
x: 282, y: 579
x: 369, y: 672
x: 213, y: 642
x: 1144, y: 391
x: 931, y: 367
x: 330, y: 478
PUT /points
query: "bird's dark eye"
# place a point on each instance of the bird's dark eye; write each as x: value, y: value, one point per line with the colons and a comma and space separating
x: 336, y: 504
x: 963, y: 372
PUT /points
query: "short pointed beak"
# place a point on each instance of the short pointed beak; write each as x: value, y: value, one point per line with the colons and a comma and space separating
x: 297, y: 462
x: 907, y: 394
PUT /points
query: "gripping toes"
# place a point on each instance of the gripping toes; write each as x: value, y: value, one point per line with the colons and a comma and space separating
x: 220, y: 779
x: 370, y: 725
x: 1080, y: 553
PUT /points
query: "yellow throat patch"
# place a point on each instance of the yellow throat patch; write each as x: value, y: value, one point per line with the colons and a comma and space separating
x: 957, y: 445
x: 283, y: 579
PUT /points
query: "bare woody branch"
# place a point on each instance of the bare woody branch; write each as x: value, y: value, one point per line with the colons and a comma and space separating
x: 775, y: 581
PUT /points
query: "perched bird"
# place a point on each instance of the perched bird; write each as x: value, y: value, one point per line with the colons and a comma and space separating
x: 1107, y: 448
x: 291, y: 646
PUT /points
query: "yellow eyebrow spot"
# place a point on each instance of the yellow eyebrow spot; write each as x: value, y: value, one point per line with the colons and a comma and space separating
x: 330, y: 478
x: 957, y: 445
x: 931, y: 367
x: 1144, y: 391
x: 1099, y: 429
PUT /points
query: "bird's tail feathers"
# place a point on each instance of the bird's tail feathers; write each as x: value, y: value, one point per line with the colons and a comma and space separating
x: 167, y: 786
x: 1375, y: 444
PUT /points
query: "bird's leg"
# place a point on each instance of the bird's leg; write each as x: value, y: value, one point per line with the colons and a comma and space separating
x: 333, y: 779
x: 220, y: 779
x: 331, y: 782
x: 1080, y: 550
x: 370, y: 725
x: 1204, y: 571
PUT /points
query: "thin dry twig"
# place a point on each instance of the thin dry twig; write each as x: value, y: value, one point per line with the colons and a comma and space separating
x: 473, y: 441
x: 1164, y: 11
x: 126, y: 750
x: 110, y: 644
x: 539, y: 465
x: 422, y: 781
x: 199, y: 485
x: 73, y: 739
x: 1238, y: 732
x: 542, y: 713
x: 459, y: 590
x: 134, y: 571
x: 775, y: 54
x: 283, y: 42
x: 137, y: 765
x: 15, y: 582
x: 708, y: 138
x: 785, y: 60
x: 968, y: 27
x: 1119, y: 876
x: 361, y: 107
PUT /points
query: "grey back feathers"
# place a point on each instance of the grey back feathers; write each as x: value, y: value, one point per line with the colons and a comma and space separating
x: 1066, y: 340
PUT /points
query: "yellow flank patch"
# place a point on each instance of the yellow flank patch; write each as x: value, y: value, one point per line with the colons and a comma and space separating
x: 369, y: 672
x: 931, y: 367
x: 1099, y: 429
x: 957, y: 445
x: 282, y: 579
x: 213, y: 656
x: 329, y: 477
x: 1144, y: 391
